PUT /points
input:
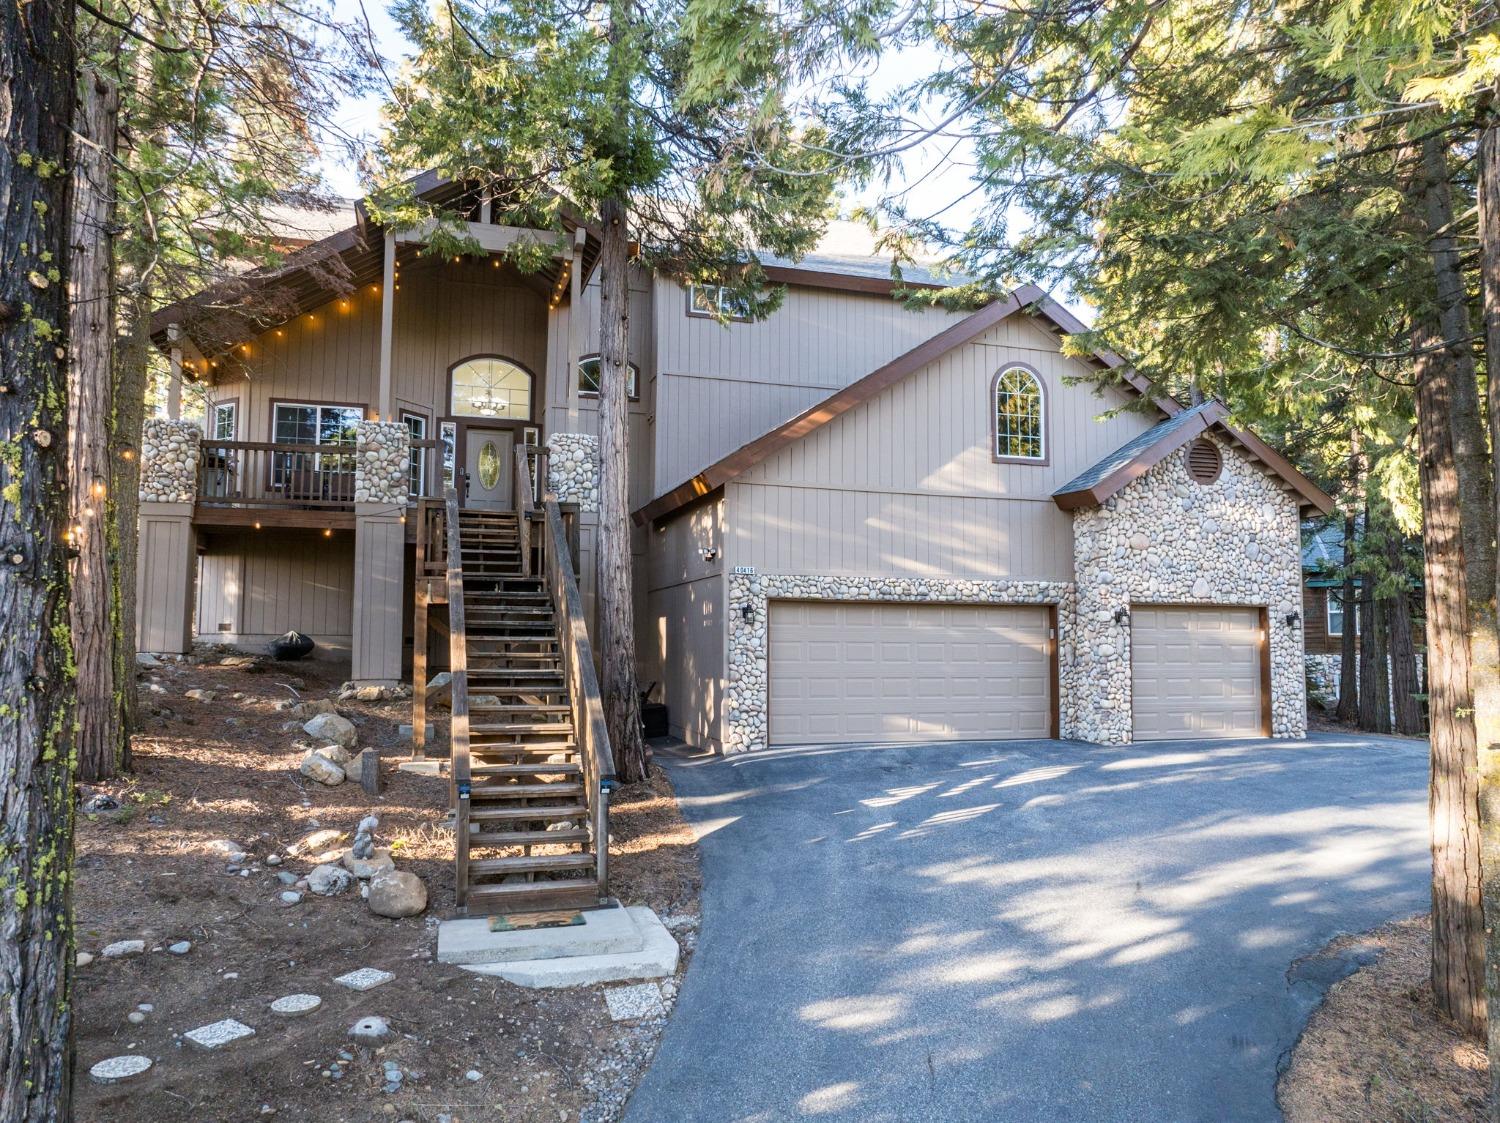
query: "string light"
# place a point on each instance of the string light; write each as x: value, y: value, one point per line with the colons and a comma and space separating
x: 257, y: 526
x: 98, y: 488
x: 328, y: 532
x: 127, y: 454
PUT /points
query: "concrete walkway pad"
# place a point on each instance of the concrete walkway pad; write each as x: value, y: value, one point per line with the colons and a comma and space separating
x: 656, y: 958
x: 609, y: 931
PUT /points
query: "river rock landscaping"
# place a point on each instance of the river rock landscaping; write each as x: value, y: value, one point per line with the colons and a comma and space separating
x: 230, y: 930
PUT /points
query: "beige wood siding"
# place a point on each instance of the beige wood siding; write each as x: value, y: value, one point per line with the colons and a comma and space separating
x: 164, y: 578
x: 846, y: 671
x: 681, y: 634
x: 378, y: 600
x: 1195, y: 672
x: 721, y: 386
x: 263, y: 583
x: 905, y: 485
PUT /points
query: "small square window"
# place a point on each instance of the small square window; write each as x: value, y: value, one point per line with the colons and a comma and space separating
x: 224, y: 422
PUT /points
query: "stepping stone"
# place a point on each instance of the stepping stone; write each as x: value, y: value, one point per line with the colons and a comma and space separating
x: 366, y: 978
x: 116, y: 1069
x: 627, y: 1004
x: 370, y: 1029
x: 219, y: 1034
x: 295, y: 1005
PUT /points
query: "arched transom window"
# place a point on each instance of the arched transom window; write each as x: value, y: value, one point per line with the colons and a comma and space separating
x: 1020, y: 415
x: 489, y: 386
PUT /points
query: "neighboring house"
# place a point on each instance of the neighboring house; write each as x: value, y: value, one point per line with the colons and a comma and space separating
x: 854, y: 522
x: 1322, y: 588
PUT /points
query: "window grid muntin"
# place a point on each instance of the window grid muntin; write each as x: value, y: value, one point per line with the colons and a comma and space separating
x: 487, y: 386
x: 1019, y: 415
x: 588, y: 378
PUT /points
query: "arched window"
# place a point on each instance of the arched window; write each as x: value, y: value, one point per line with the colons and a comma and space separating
x: 588, y: 379
x: 1020, y: 416
x: 489, y: 386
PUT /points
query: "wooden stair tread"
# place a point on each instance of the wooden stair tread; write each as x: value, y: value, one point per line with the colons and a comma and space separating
x: 527, y: 814
x: 528, y: 838
x: 541, y: 768
x: 550, y: 894
x: 560, y: 789
x: 531, y: 863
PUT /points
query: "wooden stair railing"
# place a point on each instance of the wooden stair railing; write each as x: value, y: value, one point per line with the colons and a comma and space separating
x: 531, y: 767
x: 458, y: 665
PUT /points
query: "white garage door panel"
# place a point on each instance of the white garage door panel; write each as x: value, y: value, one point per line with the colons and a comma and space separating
x: 1195, y: 672
x: 894, y: 672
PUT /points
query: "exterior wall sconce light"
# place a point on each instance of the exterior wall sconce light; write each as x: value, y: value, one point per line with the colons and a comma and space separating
x: 1122, y: 616
x: 1293, y: 618
x: 746, y: 613
x: 709, y: 553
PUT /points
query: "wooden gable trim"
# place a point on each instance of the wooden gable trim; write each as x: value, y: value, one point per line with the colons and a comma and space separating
x: 841, y: 282
x: 745, y: 457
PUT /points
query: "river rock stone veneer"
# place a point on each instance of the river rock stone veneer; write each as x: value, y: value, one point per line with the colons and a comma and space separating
x: 1167, y: 539
x: 383, y: 462
x: 573, y: 469
x: 169, y: 460
x: 745, y: 721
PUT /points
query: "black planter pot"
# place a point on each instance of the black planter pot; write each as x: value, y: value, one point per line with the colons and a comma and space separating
x: 293, y: 645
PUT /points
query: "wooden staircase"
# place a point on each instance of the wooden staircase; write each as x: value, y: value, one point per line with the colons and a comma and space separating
x: 531, y: 768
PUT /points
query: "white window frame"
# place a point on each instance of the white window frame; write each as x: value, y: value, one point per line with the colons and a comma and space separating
x: 216, y: 410
x: 346, y: 464
x: 417, y: 457
x: 725, y: 305
x: 632, y: 380
x: 1343, y: 614
x: 448, y: 452
x: 1001, y: 455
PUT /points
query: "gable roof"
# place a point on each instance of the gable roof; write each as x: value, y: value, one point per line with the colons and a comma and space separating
x: 1136, y: 457
x: 1179, y: 422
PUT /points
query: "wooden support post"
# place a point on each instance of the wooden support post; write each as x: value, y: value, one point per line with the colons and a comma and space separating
x: 369, y: 771
x: 387, y: 324
x: 575, y: 329
x: 174, y: 382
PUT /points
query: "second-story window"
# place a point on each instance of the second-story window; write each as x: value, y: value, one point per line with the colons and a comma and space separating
x: 588, y: 379
x: 717, y: 301
x: 1019, y: 412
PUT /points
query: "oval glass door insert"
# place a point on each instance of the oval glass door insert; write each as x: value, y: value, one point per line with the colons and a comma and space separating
x: 489, y: 466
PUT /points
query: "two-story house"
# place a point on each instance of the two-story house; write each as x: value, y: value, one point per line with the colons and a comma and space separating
x: 854, y: 521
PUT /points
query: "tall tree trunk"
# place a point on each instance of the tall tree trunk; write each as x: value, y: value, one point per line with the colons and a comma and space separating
x: 1458, y: 962
x: 131, y: 377
x: 1348, y: 707
x: 1374, y: 685
x: 36, y: 794
x: 622, y: 707
x: 90, y: 374
x: 1405, y: 685
x: 1488, y: 192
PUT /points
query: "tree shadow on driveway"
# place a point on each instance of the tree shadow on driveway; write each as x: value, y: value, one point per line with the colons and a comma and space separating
x: 1025, y: 930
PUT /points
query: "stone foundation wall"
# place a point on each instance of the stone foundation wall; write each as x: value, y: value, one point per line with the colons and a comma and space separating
x: 1167, y: 539
x: 383, y: 463
x: 573, y: 469
x: 170, y: 451
x: 745, y: 710
x: 1323, y: 677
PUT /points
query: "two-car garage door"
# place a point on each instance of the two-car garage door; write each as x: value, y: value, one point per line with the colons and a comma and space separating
x: 852, y: 671
x: 856, y: 671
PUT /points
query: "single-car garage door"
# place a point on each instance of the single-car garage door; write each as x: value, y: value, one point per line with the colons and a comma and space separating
x: 1195, y: 672
x: 850, y: 671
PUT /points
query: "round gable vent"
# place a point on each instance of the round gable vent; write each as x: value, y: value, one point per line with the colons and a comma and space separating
x: 1204, y: 461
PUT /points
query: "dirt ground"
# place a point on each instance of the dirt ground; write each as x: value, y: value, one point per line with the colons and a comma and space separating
x: 227, y: 769
x: 1375, y: 1051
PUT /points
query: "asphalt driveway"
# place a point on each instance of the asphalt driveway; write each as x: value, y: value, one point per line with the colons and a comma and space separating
x: 1026, y: 930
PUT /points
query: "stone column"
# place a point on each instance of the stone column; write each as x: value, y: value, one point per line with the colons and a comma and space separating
x: 573, y: 469
x: 167, y: 569
x: 380, y: 494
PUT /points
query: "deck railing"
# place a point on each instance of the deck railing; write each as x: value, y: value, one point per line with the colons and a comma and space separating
x: 265, y: 474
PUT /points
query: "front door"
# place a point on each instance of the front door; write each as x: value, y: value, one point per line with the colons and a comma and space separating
x: 489, y: 463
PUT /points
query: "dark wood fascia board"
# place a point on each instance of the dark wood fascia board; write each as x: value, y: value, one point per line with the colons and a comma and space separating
x: 842, y: 282
x: 1141, y: 463
x: 745, y: 457
x: 1311, y: 494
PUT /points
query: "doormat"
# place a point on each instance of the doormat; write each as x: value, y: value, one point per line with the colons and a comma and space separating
x: 529, y: 921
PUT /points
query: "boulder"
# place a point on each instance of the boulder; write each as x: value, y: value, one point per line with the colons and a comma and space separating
x: 397, y: 893
x: 123, y: 949
x: 313, y: 707
x: 378, y: 862
x: 200, y: 695
x: 329, y: 881
x: 332, y: 727
x: 317, y: 842
x: 316, y: 766
x: 440, y: 689
x: 227, y: 849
